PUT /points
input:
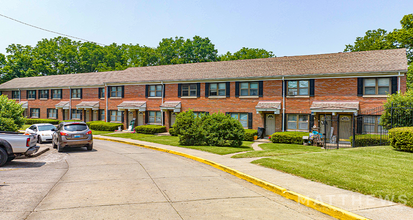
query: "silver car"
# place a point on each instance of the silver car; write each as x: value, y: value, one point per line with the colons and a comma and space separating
x: 72, y: 134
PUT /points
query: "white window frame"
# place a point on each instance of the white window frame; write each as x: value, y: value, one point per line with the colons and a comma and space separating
x: 187, y: 88
x: 76, y: 93
x: 298, y: 88
x: 155, y: 117
x: 298, y: 122
x: 249, y: 89
x: 238, y: 117
x: 51, y: 113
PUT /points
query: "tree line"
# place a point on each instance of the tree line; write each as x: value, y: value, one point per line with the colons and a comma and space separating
x: 381, y: 39
x: 61, y: 55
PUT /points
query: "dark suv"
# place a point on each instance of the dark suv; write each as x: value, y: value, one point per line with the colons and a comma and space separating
x: 72, y: 134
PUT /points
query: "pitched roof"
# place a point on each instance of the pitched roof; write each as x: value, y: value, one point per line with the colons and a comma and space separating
x: 377, y: 61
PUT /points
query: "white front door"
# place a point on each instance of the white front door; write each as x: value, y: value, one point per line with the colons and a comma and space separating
x: 269, y: 124
x: 140, y: 118
x: 173, y: 117
x: 130, y: 117
x: 87, y: 116
x: 95, y: 115
x: 66, y: 114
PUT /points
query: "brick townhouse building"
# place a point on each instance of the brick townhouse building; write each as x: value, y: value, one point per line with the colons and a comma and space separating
x: 281, y: 94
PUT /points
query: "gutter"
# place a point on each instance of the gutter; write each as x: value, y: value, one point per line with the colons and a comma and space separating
x: 70, y: 103
x: 106, y: 103
x: 163, y: 91
x: 283, y: 117
x: 399, y: 83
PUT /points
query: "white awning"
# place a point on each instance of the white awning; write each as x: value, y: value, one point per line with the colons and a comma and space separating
x: 132, y: 105
x: 335, y: 106
x: 62, y: 105
x: 87, y: 105
x: 25, y: 104
x: 171, y: 105
x: 269, y: 106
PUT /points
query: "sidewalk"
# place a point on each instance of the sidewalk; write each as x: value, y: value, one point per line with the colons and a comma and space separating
x: 364, y: 205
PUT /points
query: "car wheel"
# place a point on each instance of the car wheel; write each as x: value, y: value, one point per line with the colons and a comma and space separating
x: 59, y: 147
x: 89, y: 147
x: 3, y: 157
x: 54, y: 144
x: 39, y: 139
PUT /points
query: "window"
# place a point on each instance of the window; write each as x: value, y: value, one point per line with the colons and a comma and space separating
x: 297, y: 122
x: 75, y: 127
x: 34, y: 113
x: 76, y: 93
x: 44, y: 94
x: 199, y: 114
x: 77, y: 114
x: 101, y: 93
x: 248, y: 89
x: 377, y: 86
x: 155, y: 90
x: 116, y: 116
x: 296, y: 88
x: 15, y: 94
x: 189, y: 90
x: 102, y: 114
x: 241, y: 117
x: 371, y: 125
x: 154, y: 117
x: 56, y: 93
x: 51, y: 113
x: 31, y: 94
x: 217, y: 89
x: 116, y: 91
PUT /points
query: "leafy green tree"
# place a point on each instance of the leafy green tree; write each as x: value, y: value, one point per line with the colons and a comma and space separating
x: 373, y: 40
x: 247, y: 53
x: 11, y: 114
x: 398, y: 111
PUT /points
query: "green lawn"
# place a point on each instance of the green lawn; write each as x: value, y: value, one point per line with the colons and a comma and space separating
x: 271, y: 149
x: 101, y: 132
x: 24, y: 127
x: 378, y: 171
x: 174, y: 141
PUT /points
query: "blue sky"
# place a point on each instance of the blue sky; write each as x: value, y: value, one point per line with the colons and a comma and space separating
x: 287, y: 27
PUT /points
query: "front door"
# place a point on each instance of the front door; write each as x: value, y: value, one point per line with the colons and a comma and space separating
x: 345, y: 127
x: 140, y: 118
x: 95, y: 115
x: 65, y: 114
x: 172, y: 117
x: 269, y: 124
x: 130, y: 118
x: 326, y: 126
x: 87, y: 117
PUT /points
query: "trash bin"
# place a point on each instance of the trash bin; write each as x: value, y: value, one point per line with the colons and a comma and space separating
x: 261, y: 132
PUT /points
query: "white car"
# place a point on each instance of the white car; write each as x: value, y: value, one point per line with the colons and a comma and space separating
x: 43, y: 132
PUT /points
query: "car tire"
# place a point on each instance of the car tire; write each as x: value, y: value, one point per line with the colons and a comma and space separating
x: 59, y: 147
x: 89, y: 147
x: 3, y: 157
x: 54, y: 145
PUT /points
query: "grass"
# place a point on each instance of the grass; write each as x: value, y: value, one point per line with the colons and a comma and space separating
x: 271, y: 149
x: 24, y: 127
x: 174, y: 141
x: 101, y: 132
x: 378, y: 171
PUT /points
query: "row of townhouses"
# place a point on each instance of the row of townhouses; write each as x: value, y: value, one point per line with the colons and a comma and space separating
x: 280, y: 94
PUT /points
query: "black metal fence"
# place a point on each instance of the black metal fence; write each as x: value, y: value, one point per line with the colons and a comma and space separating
x: 366, y: 129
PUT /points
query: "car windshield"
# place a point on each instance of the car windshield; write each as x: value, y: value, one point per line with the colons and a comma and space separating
x: 75, y: 127
x: 45, y: 127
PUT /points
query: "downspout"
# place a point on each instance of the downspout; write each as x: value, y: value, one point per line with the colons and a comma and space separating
x: 163, y: 90
x: 283, y: 115
x: 20, y: 95
x: 106, y: 103
x: 70, y: 103
x: 399, y: 83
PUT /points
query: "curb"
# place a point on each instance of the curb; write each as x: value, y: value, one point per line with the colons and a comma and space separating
x: 39, y: 152
x: 304, y: 200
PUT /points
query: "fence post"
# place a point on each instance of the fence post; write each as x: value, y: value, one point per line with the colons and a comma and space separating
x: 391, y: 116
x: 354, y: 131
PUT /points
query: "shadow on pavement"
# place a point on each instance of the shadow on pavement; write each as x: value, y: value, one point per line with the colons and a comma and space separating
x: 23, y: 164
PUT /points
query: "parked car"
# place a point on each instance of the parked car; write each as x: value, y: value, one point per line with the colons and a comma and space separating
x: 43, y: 132
x: 13, y: 144
x: 72, y: 134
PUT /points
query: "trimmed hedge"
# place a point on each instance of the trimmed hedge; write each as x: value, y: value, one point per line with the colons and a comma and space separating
x: 249, y: 134
x: 289, y: 137
x: 103, y: 126
x: 364, y: 140
x: 172, y: 132
x: 71, y: 121
x: 31, y: 121
x: 150, y: 129
x: 402, y: 138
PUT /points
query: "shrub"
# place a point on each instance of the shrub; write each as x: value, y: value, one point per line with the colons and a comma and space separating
x: 249, y: 134
x: 289, y: 137
x: 150, y: 129
x: 71, y: 121
x: 11, y: 114
x: 213, y: 130
x: 402, y: 138
x: 31, y: 121
x: 397, y: 110
x: 103, y: 126
x: 172, y: 132
x: 369, y: 140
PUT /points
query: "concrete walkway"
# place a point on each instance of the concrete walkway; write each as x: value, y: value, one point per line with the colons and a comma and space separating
x: 364, y: 205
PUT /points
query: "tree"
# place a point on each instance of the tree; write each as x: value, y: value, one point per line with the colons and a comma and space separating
x: 247, y: 53
x: 11, y: 114
x: 398, y: 111
x: 381, y: 39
